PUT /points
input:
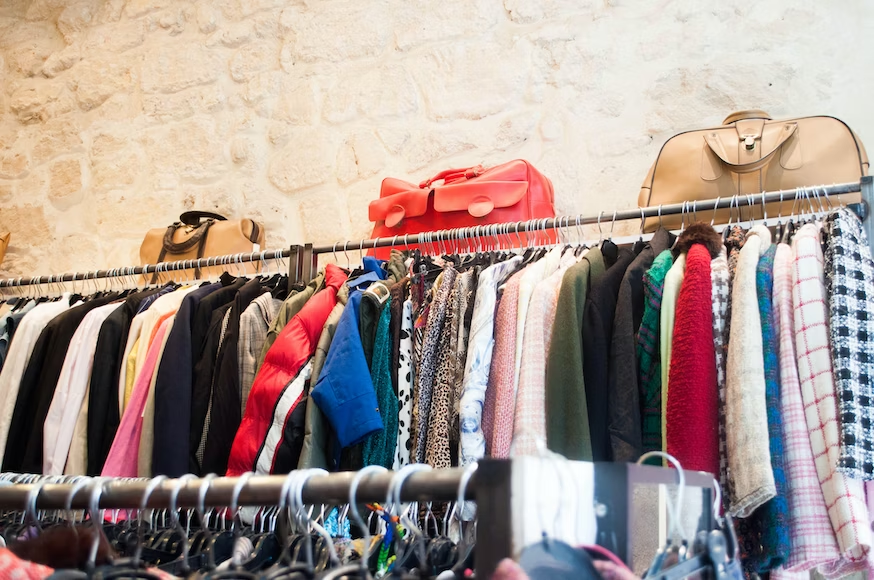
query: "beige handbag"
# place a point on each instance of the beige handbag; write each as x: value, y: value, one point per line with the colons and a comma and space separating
x: 751, y: 153
x: 4, y: 243
x: 200, y: 234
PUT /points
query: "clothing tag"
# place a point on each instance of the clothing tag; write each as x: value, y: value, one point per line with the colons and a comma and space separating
x: 256, y: 247
x: 378, y: 291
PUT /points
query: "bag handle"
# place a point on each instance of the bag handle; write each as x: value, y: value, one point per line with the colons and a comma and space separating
x: 198, y: 238
x: 712, y: 140
x: 192, y: 218
x: 746, y: 114
x: 452, y: 175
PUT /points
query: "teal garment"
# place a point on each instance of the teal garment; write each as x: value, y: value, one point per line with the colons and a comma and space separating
x: 379, y: 448
x: 648, y: 358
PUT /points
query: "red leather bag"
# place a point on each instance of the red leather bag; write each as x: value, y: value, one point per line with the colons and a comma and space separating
x: 511, y: 192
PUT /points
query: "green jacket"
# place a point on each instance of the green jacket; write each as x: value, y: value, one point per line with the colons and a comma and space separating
x: 567, y: 416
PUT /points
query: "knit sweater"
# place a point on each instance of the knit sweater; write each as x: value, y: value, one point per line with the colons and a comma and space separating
x: 749, y: 455
x: 692, y: 398
x: 667, y: 314
x: 649, y: 354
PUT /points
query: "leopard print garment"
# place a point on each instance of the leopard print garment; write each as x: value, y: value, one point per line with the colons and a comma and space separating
x: 437, y: 453
x: 428, y: 363
x: 464, y: 299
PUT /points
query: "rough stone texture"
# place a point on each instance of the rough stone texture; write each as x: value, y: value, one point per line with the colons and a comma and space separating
x: 65, y: 183
x: 117, y: 115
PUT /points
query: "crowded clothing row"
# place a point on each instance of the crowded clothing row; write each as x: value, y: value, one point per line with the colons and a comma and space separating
x: 754, y: 353
x: 738, y: 355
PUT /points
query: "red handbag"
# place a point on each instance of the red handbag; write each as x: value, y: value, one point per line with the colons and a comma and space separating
x: 511, y: 192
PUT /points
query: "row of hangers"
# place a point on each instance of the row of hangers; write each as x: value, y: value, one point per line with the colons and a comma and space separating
x: 286, y: 541
x: 528, y: 236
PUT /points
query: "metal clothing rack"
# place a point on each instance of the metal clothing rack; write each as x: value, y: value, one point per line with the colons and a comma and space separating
x: 494, y: 486
x: 303, y: 258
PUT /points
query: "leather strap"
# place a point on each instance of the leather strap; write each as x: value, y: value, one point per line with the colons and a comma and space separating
x: 256, y: 232
x: 747, y: 114
x: 197, y: 238
x: 712, y: 140
x: 193, y: 218
x: 453, y: 175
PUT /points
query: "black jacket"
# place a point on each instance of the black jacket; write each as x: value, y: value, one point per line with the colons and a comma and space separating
x: 173, y: 386
x: 24, y: 444
x: 103, y: 416
x: 624, y: 418
x: 201, y: 393
x: 226, y: 413
x: 597, y: 336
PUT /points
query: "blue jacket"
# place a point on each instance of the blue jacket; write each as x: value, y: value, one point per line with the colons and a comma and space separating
x: 344, y: 391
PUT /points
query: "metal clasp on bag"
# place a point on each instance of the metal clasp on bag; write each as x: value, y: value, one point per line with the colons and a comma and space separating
x: 750, y: 141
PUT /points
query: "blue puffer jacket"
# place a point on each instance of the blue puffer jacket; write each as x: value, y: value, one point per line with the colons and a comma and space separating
x: 344, y: 392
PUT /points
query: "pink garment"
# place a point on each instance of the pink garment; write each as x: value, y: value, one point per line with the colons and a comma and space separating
x: 122, y: 458
x: 812, y: 536
x: 844, y: 497
x: 500, y: 403
x: 529, y: 424
x: 508, y: 569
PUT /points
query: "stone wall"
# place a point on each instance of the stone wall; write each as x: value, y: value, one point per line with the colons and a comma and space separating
x: 117, y: 115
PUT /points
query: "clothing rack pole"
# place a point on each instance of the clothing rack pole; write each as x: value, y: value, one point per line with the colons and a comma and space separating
x: 462, y: 233
x: 436, y: 485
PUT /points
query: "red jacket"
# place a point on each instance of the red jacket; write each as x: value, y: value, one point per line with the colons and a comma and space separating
x: 271, y: 433
x: 693, y: 401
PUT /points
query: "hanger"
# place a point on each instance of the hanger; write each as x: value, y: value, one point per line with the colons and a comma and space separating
x: 463, y: 553
x: 719, y: 559
x: 405, y: 555
x: 682, y: 224
x: 674, y: 515
x: 552, y: 558
x: 608, y: 248
x: 360, y: 569
x: 726, y: 231
x: 223, y: 541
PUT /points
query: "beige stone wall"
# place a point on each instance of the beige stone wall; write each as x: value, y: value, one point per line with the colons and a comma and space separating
x: 117, y: 115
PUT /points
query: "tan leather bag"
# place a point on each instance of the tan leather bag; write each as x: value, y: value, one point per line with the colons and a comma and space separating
x: 200, y: 234
x: 751, y: 153
x: 4, y: 243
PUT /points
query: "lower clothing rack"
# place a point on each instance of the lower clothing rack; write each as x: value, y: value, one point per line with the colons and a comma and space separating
x: 303, y: 258
x: 502, y: 490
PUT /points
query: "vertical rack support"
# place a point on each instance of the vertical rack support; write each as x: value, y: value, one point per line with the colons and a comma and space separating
x: 294, y: 273
x: 309, y: 264
x: 867, y: 188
